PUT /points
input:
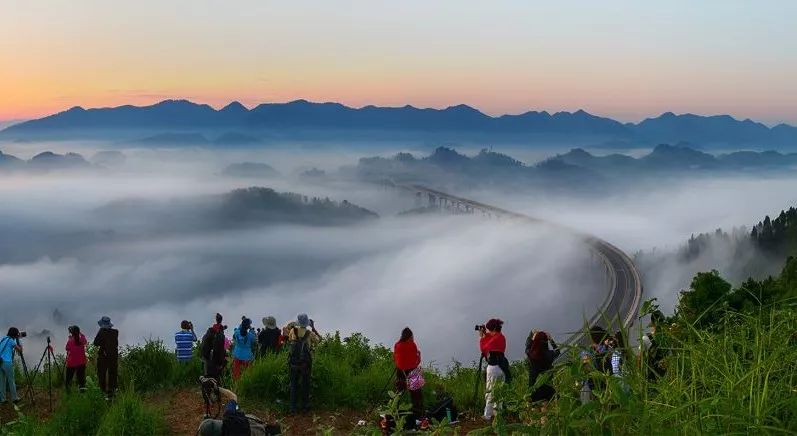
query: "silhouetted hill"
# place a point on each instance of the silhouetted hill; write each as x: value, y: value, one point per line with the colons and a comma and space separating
x: 680, y: 158
x: 460, y: 121
x: 236, y: 138
x: 252, y: 206
x: 249, y: 169
x: 44, y: 162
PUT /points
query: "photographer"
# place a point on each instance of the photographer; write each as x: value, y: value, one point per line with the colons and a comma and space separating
x: 184, y: 342
x: 214, y: 353
x: 8, y: 345
x: 107, y: 343
x: 302, y: 337
x: 492, y: 344
x: 541, y: 351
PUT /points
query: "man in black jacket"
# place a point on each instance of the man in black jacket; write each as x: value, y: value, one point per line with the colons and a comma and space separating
x: 107, y: 343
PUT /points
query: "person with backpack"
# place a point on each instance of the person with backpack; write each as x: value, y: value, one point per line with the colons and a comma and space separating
x: 184, y: 342
x: 541, y: 351
x: 302, y: 337
x: 107, y: 343
x: 76, y: 358
x: 651, y: 351
x: 595, y: 358
x: 407, y: 358
x: 8, y: 345
x: 269, y: 338
x: 213, y: 350
x: 244, y: 343
x: 492, y: 344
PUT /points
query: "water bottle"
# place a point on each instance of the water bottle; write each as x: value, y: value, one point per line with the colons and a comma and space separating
x: 448, y: 415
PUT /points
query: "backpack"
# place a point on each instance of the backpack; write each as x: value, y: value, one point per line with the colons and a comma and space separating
x: 235, y: 424
x: 300, y: 351
x: 212, y: 345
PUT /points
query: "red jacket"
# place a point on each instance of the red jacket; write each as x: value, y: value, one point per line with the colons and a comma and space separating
x: 494, y: 342
x: 75, y: 352
x: 406, y: 355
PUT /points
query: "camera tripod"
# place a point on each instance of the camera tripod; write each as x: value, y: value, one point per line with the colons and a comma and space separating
x: 31, y: 378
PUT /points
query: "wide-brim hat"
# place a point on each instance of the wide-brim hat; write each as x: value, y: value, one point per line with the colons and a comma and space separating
x: 270, y: 322
x: 105, y: 322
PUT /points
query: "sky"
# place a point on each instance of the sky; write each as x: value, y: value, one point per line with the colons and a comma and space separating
x: 624, y: 59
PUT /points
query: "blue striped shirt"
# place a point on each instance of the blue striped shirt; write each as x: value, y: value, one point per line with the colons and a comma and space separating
x: 184, y: 345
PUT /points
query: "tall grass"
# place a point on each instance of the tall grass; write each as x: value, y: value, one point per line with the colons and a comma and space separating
x: 129, y: 416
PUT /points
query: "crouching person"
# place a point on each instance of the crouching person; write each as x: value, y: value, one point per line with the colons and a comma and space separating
x: 302, y: 337
x: 234, y: 421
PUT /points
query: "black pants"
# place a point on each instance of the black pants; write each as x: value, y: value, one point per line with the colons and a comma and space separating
x: 300, y: 386
x: 107, y: 374
x: 81, y: 376
x: 416, y: 397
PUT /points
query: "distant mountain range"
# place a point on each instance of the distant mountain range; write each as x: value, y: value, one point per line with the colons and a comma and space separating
x: 181, y: 120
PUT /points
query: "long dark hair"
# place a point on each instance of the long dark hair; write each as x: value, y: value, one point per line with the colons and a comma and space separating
x: 75, y: 331
x: 406, y: 335
x: 539, y: 345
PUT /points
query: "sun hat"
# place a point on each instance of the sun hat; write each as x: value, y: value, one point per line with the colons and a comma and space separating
x: 303, y: 320
x: 105, y: 322
x: 270, y: 322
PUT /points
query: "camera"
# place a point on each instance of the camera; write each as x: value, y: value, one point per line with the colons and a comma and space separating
x: 23, y: 334
x: 479, y: 327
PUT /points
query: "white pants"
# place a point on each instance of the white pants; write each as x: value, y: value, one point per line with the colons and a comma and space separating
x: 494, y: 375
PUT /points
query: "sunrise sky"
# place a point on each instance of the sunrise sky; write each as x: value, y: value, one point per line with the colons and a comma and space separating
x: 624, y: 59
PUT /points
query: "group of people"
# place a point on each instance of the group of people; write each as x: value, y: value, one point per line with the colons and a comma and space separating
x: 608, y: 353
x: 106, y: 342
x: 216, y: 350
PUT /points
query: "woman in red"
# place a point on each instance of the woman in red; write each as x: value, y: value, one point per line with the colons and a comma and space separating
x: 492, y: 344
x: 407, y: 358
x: 76, y: 358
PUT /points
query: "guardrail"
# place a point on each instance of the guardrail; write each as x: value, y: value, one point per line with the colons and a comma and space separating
x: 625, y: 285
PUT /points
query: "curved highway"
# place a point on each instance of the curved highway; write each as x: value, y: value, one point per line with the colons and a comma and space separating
x: 624, y: 286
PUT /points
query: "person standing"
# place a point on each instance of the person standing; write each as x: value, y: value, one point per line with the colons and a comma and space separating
x: 107, y: 343
x: 184, y: 342
x: 407, y: 358
x: 492, y: 344
x: 302, y: 337
x: 76, y: 358
x: 270, y: 338
x: 8, y: 345
x: 214, y: 353
x: 541, y: 351
x: 243, y: 352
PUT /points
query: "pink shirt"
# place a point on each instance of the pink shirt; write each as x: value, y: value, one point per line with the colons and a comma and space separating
x: 75, y: 353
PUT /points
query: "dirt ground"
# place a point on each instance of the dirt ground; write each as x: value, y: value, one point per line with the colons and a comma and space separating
x: 184, y: 410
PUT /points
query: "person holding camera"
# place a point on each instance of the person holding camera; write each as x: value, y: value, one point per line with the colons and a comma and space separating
x: 492, y: 344
x: 302, y: 337
x: 76, y: 358
x: 184, y: 342
x: 8, y: 345
x: 213, y: 350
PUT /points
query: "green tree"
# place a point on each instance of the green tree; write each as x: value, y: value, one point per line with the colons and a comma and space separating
x: 703, y: 304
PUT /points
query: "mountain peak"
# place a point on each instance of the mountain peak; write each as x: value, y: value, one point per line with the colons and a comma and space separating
x: 234, y: 106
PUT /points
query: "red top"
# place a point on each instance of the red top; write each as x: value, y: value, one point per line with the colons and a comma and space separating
x: 493, y: 342
x: 75, y: 352
x: 406, y: 355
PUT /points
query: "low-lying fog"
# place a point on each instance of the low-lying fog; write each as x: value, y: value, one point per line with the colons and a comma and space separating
x: 439, y: 274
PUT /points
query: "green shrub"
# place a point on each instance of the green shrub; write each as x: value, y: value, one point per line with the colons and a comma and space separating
x: 129, y: 416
